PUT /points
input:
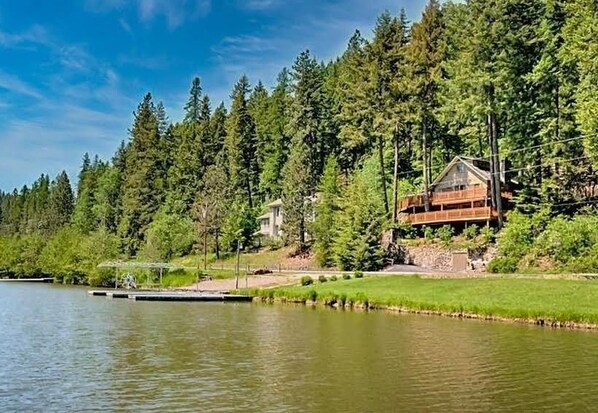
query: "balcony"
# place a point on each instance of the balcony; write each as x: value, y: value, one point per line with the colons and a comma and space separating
x: 450, y: 197
x: 455, y: 197
x: 451, y: 215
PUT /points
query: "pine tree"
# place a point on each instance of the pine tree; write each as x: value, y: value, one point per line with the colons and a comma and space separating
x: 305, y: 125
x: 190, y: 157
x: 580, y: 49
x: 276, y: 150
x: 357, y: 244
x: 426, y: 53
x: 142, y: 189
x: 296, y: 189
x: 240, y: 144
x: 325, y: 226
x: 60, y: 203
x: 193, y: 105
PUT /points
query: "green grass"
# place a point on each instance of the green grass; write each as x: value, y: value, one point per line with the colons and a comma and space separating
x: 182, y: 278
x: 548, y: 299
x: 255, y: 260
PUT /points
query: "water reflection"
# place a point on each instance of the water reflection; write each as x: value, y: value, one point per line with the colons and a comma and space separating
x: 61, y: 350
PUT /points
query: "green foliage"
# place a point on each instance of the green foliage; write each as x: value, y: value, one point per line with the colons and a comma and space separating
x: 471, y: 232
x: 322, y: 279
x: 488, y: 235
x: 503, y: 265
x: 169, y: 235
x: 306, y: 280
x: 241, y: 144
x: 143, y: 180
x: 357, y: 246
x: 326, y: 208
x: 429, y: 233
x: 358, y: 274
x: 239, y: 226
x: 445, y: 233
x: 346, y: 276
x: 274, y: 243
x: 426, y: 91
x: 333, y: 278
x: 295, y: 193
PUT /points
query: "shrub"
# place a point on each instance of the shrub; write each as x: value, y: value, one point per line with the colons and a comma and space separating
x: 487, y: 234
x: 358, y: 274
x: 274, y: 243
x: 471, y: 231
x: 322, y: 279
x: 429, y: 233
x: 346, y: 276
x: 333, y: 278
x: 503, y: 265
x: 445, y: 233
x: 312, y: 295
x: 306, y: 280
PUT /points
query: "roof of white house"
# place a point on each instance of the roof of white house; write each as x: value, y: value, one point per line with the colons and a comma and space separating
x: 275, y: 203
x: 265, y: 216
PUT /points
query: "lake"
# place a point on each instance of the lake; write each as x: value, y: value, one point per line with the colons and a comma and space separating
x: 61, y: 350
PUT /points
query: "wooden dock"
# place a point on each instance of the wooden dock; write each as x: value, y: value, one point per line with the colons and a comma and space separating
x: 170, y: 296
x: 27, y: 280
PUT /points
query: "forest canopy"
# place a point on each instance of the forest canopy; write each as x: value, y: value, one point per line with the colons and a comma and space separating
x: 379, y: 121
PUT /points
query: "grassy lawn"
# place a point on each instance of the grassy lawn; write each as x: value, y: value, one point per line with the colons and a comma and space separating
x: 181, y: 278
x: 259, y: 259
x: 550, y: 299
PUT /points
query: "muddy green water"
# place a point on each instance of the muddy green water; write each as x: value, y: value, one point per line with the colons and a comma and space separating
x: 61, y: 350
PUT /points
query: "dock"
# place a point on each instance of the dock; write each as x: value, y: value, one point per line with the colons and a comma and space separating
x: 27, y: 280
x: 170, y: 296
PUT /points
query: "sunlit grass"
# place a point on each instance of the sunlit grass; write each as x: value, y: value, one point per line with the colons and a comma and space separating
x: 549, y: 299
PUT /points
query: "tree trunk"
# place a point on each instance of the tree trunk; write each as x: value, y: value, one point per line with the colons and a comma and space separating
x: 237, y: 265
x: 494, y: 158
x: 395, y: 179
x: 217, y: 244
x: 382, y: 173
x: 426, y: 167
x: 250, y: 198
x: 205, y: 249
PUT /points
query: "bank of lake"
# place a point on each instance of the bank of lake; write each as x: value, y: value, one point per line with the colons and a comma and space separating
x: 550, y: 302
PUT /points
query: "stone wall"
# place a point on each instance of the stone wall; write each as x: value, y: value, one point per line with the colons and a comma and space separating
x: 429, y: 256
x: 437, y: 257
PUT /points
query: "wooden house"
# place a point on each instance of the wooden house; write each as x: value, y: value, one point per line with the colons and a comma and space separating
x: 461, y: 194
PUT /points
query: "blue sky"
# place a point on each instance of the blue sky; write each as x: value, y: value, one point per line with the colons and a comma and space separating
x: 72, y: 72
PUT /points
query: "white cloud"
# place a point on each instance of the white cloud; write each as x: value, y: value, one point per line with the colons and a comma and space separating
x: 259, y: 4
x: 15, y: 85
x: 35, y: 35
x: 175, y: 12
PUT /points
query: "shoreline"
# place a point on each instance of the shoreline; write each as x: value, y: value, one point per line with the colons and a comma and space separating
x: 540, y: 322
x: 556, y: 303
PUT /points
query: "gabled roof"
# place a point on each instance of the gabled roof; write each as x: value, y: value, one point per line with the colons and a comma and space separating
x: 265, y: 216
x: 275, y: 203
x: 469, y: 163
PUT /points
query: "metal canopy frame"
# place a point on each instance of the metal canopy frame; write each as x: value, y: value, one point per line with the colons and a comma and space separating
x: 139, y: 265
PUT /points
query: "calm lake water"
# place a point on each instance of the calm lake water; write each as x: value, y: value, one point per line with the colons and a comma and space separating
x: 61, y: 350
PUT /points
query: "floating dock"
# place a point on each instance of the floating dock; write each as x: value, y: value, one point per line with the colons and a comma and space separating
x: 170, y: 296
x: 27, y: 280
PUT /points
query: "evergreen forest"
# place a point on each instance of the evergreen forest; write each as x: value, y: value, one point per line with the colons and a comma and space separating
x: 378, y: 122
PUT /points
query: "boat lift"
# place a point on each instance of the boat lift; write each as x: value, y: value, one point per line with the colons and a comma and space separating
x: 128, y: 280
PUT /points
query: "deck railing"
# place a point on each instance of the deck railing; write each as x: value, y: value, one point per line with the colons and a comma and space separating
x: 438, y: 198
x: 451, y: 215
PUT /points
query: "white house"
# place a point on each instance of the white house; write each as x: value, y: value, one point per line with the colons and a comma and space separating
x: 271, y: 221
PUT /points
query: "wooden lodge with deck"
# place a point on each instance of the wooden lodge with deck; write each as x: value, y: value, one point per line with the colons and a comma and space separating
x: 460, y: 195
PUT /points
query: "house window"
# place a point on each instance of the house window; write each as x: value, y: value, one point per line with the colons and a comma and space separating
x: 265, y: 223
x: 460, y: 168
